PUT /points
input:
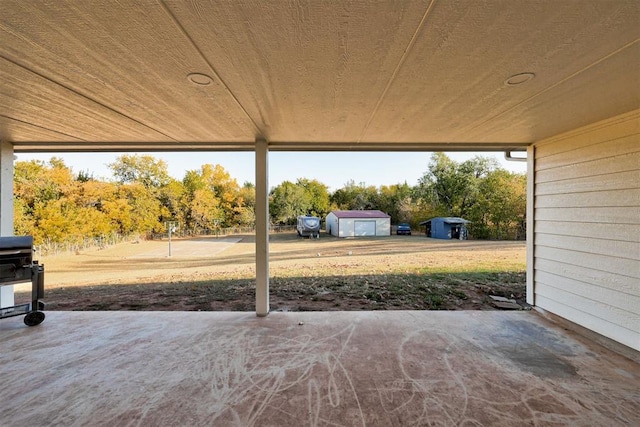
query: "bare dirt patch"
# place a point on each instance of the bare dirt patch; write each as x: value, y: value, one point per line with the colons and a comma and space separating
x: 394, y: 272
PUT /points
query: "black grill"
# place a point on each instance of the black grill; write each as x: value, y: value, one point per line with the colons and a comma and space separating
x: 17, y: 266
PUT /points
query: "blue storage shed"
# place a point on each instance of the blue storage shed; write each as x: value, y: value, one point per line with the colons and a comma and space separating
x: 446, y: 228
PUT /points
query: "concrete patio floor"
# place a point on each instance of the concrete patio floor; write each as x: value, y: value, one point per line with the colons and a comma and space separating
x: 394, y: 368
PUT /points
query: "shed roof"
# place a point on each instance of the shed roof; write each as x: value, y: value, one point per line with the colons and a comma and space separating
x: 360, y: 214
x: 448, y: 220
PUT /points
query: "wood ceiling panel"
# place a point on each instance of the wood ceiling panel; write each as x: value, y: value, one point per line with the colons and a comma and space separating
x: 307, y: 74
x: 306, y: 70
x: 129, y: 57
x: 29, y: 98
x: 15, y: 130
x: 452, y: 83
x: 604, y: 90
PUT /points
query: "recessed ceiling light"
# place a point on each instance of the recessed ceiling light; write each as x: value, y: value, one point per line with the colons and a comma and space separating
x: 200, y: 79
x: 518, y: 79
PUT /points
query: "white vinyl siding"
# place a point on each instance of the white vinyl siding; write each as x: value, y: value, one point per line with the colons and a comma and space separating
x: 586, y: 256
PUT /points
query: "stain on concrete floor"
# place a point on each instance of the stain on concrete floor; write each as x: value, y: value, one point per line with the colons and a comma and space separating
x: 398, y: 368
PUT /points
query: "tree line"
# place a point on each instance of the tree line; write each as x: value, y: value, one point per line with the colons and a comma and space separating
x: 54, y: 204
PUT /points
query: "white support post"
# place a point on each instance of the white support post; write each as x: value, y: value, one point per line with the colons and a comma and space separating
x: 262, y: 228
x: 6, y: 209
x: 531, y: 200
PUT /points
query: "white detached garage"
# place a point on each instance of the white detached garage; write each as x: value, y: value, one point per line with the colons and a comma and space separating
x: 358, y: 223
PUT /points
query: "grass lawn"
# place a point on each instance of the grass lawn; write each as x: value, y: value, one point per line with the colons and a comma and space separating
x: 382, y: 273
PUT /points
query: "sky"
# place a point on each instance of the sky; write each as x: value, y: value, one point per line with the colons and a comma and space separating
x: 333, y: 169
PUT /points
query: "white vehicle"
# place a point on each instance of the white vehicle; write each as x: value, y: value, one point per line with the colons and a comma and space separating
x: 308, y: 226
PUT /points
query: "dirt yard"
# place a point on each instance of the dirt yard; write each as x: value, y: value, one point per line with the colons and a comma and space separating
x: 394, y: 272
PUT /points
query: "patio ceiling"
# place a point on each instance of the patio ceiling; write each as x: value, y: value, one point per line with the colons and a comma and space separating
x: 311, y: 75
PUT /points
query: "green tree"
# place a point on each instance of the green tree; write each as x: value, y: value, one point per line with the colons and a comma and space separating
x: 306, y: 197
x: 143, y: 169
x: 51, y: 221
x: 225, y: 189
x: 396, y: 200
x: 91, y: 199
x: 144, y: 196
x: 85, y: 176
x: 245, y: 209
x: 452, y: 188
x: 45, y: 201
x: 23, y: 224
x: 171, y: 197
x: 287, y: 201
x: 502, y: 205
x: 318, y: 196
x: 493, y: 199
x: 38, y: 181
x: 52, y: 204
x: 354, y: 197
x: 205, y: 210
x: 210, y: 194
x: 143, y: 210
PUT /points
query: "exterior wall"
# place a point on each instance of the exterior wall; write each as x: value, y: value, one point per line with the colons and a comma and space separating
x: 586, y: 237
x: 383, y: 226
x: 346, y: 227
x: 331, y: 224
x: 6, y: 209
x: 440, y: 230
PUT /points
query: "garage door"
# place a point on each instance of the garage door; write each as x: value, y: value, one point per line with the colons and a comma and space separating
x: 365, y: 228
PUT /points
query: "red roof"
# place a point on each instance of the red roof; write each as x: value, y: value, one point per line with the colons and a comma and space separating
x: 360, y: 214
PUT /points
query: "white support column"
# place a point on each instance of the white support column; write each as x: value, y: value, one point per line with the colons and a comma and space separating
x: 531, y: 199
x: 6, y: 209
x: 262, y: 228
